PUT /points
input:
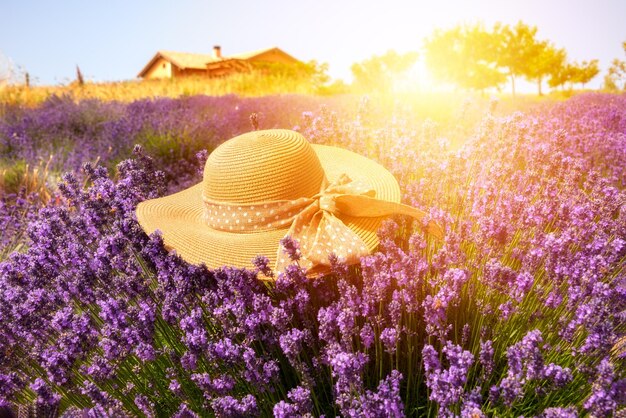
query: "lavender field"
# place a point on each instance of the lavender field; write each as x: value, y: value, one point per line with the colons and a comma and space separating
x: 519, y: 311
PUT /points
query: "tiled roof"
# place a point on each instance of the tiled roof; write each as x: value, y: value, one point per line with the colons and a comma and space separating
x: 187, y: 60
x: 199, y: 61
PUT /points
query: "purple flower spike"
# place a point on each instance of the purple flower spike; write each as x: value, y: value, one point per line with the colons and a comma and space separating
x: 291, y: 247
x: 389, y: 337
x: 229, y: 407
x: 603, y: 399
x: 301, y: 404
x: 559, y: 413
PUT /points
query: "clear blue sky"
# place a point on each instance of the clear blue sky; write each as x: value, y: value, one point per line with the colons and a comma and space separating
x: 114, y: 39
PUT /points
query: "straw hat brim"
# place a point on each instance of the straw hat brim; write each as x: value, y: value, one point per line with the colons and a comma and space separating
x: 179, y: 216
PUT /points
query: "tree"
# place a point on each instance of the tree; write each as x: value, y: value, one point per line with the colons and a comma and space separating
x: 574, y: 73
x: 472, y: 57
x: 519, y: 49
x: 443, y: 54
x: 465, y: 56
x: 315, y: 72
x: 547, y: 61
x: 615, y: 78
x: 310, y: 73
x: 585, y: 72
x: 610, y: 84
x: 561, y: 75
x: 377, y: 72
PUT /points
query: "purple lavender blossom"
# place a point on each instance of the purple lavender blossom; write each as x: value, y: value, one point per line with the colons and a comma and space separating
x: 389, y: 337
x: 447, y: 384
x: 367, y: 335
x: 539, y: 226
x: 472, y: 410
x: 448, y: 295
x: 347, y: 367
x: 430, y: 357
x: 557, y: 412
x: 291, y: 247
x: 506, y: 310
x: 300, y: 405
x: 486, y: 357
x: 293, y: 341
x: 218, y: 385
x: 174, y: 386
x: 145, y: 406
x: 386, y: 401
x: 602, y: 401
x: 45, y: 396
x: 185, y: 412
x: 229, y: 407
x: 465, y: 334
x: 560, y: 376
x: 261, y: 262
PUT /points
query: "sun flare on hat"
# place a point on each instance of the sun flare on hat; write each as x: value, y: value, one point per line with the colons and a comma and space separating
x: 261, y: 186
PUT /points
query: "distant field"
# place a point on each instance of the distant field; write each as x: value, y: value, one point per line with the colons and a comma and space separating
x: 55, y: 129
x: 248, y: 84
x: 243, y: 84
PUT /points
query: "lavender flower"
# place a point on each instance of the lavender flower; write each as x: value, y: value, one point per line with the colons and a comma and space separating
x: 291, y: 247
x: 229, y: 407
x: 45, y: 396
x: 389, y: 337
x: 301, y: 404
x: 292, y: 342
x: 486, y: 357
x: 94, y: 309
x: 185, y: 412
x: 367, y: 335
x: 447, y: 385
x: 603, y: 399
x: 261, y: 262
x: 559, y: 413
x: 145, y: 406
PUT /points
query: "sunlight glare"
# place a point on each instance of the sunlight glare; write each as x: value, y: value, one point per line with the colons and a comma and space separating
x: 419, y: 80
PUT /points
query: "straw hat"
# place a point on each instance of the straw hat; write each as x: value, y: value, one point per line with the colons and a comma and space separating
x: 264, y: 185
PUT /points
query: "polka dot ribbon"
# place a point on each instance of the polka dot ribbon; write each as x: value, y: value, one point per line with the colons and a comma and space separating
x: 313, y: 222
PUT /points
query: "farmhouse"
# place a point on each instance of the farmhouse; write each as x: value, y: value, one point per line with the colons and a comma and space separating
x: 170, y: 64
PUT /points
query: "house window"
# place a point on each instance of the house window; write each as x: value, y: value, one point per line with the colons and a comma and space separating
x: 163, y: 65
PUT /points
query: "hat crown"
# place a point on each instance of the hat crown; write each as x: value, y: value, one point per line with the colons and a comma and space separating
x: 262, y: 166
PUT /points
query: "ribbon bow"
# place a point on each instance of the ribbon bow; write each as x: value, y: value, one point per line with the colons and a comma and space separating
x: 320, y: 232
x: 313, y: 221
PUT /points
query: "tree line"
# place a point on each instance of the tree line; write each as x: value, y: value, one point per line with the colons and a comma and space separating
x: 476, y: 58
x: 615, y: 79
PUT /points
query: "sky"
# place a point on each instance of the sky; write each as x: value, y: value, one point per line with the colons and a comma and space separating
x: 112, y: 40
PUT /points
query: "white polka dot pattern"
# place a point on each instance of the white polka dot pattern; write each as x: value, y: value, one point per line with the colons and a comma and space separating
x: 313, y: 221
x: 233, y: 217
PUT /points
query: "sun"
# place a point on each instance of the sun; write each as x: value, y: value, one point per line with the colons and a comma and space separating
x: 418, y: 80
